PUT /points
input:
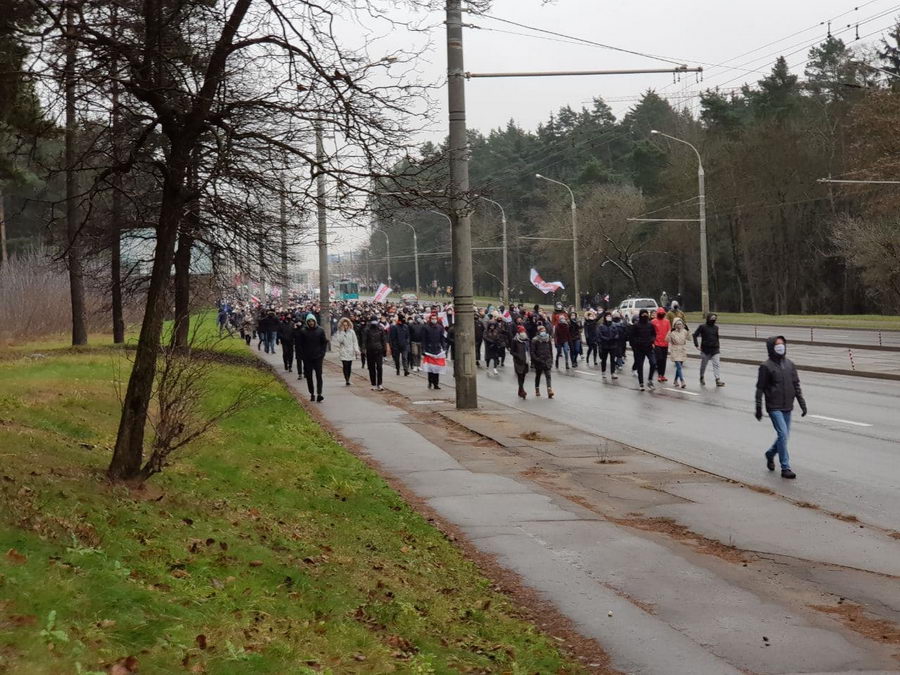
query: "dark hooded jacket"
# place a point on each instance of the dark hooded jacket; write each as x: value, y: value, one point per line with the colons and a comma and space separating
x: 399, y: 337
x: 709, y: 338
x: 778, y: 381
x: 643, y: 335
x: 542, y: 352
x: 374, y: 341
x: 311, y: 341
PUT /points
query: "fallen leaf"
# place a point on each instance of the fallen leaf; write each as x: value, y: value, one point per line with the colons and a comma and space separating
x: 198, y: 668
x: 125, y: 666
x: 187, y: 521
x: 15, y: 557
x: 22, y: 619
x: 106, y: 623
x: 218, y: 585
x: 201, y: 641
x: 359, y: 657
x: 180, y: 574
x: 255, y: 563
x: 223, y: 546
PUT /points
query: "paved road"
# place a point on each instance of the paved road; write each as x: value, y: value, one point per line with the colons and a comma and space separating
x: 848, y: 336
x: 847, y: 456
x: 864, y: 360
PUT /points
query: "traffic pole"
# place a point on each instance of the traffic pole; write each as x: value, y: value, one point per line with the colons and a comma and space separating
x: 324, y: 297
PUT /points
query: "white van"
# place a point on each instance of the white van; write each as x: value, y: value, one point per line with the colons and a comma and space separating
x: 632, y: 306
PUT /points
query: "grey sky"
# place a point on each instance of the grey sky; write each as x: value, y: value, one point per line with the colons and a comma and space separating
x: 695, y: 32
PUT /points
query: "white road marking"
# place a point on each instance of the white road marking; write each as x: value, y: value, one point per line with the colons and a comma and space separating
x: 682, y: 391
x: 835, y: 419
x: 427, y: 402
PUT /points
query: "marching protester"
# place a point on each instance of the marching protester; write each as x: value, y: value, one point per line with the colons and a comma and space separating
x: 416, y: 332
x: 574, y: 338
x: 676, y: 313
x: 346, y: 345
x: 479, y: 336
x: 519, y: 349
x: 643, y: 335
x: 398, y: 336
x: 779, y: 383
x: 609, y: 336
x: 661, y: 344
x: 709, y: 348
x: 286, y: 338
x: 592, y: 336
x: 313, y: 345
x: 677, y: 340
x: 375, y: 346
x: 434, y: 345
x: 268, y: 331
x: 298, y: 347
x: 561, y: 336
x: 494, y: 343
x: 542, y: 359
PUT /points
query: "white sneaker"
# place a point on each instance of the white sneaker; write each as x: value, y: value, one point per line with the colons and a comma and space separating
x: 374, y: 388
x: 380, y: 388
x: 495, y: 372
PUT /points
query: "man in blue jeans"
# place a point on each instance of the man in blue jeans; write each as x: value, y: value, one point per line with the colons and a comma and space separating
x: 779, y: 382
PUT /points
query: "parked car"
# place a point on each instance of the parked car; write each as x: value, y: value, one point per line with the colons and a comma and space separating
x: 630, y: 307
x: 409, y: 298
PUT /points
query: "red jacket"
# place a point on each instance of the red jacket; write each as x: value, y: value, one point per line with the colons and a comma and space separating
x: 662, y: 331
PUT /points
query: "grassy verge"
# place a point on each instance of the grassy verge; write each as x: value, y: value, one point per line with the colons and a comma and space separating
x: 266, y: 548
x: 869, y: 321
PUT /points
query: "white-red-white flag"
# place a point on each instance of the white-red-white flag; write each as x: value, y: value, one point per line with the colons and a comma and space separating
x: 382, y: 292
x: 544, y: 286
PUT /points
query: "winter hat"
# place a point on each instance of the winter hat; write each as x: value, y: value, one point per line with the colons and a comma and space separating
x: 520, y: 329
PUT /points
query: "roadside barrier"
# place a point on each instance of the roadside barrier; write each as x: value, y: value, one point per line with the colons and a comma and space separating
x: 852, y: 364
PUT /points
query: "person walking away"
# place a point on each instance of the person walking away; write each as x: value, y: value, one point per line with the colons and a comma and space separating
x: 268, y: 330
x: 313, y: 345
x: 286, y: 338
x: 574, y: 338
x: 779, y: 382
x: 621, y: 333
x: 398, y: 335
x: 247, y: 328
x: 375, y: 346
x: 519, y: 350
x: 542, y: 359
x: 416, y: 333
x: 661, y: 344
x: 677, y: 339
x: 643, y: 335
x: 561, y: 337
x: 346, y: 345
x: 591, y: 335
x: 434, y: 345
x: 664, y: 300
x: 359, y: 328
x: 708, y: 334
x: 608, y: 338
x: 298, y: 347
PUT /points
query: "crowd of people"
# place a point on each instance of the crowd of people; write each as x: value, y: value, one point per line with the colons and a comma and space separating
x: 420, y: 338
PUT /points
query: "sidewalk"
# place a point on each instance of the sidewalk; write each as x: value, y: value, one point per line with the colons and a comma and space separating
x: 597, y: 527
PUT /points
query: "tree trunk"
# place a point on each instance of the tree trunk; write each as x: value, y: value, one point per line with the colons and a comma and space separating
x: 182, y: 326
x: 4, y: 256
x: 115, y: 262
x: 129, y: 451
x: 75, y: 263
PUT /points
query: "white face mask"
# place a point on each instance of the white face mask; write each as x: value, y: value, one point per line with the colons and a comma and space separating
x: 780, y: 349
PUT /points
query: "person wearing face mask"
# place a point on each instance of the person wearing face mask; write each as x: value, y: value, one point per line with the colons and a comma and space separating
x: 519, y: 349
x: 779, y: 383
x: 574, y: 338
x: 416, y: 332
x: 661, y: 344
x: 313, y: 346
x: 561, y: 337
x: 591, y: 335
x: 434, y: 345
x: 398, y: 336
x: 677, y: 341
x: 608, y: 339
x: 542, y: 359
x: 643, y: 335
x: 708, y: 334
x: 621, y: 331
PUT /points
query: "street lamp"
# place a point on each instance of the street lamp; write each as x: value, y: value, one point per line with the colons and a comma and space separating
x: 701, y: 180
x: 505, y: 261
x: 387, y: 240
x: 574, y: 236
x: 415, y: 251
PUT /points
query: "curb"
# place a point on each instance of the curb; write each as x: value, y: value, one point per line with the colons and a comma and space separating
x: 817, y: 369
x: 842, y: 345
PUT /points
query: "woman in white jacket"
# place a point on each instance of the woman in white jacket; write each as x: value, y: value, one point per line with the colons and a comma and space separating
x: 347, y: 346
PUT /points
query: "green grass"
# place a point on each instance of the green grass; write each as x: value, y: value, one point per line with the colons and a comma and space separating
x: 266, y: 548
x: 871, y: 321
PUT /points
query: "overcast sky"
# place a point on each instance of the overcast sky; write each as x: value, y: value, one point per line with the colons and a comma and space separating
x: 735, y: 41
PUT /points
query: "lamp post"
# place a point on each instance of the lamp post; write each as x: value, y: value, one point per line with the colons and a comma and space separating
x: 701, y: 180
x: 415, y: 251
x: 505, y: 249
x: 574, y: 236
x: 387, y: 240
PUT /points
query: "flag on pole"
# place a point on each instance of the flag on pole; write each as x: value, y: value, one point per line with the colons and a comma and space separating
x: 544, y: 286
x: 381, y: 294
x: 255, y: 299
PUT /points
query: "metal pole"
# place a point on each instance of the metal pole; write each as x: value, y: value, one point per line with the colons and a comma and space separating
x: 574, y: 236
x: 324, y: 297
x: 415, y: 250
x: 505, y: 252
x: 461, y: 232
x: 284, y: 245
x: 704, y: 271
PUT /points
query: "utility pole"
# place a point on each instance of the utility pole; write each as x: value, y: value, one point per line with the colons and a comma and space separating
x: 415, y: 251
x: 574, y: 210
x: 387, y: 241
x: 461, y: 231
x: 324, y: 297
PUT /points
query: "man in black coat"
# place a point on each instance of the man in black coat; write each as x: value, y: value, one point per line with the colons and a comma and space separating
x: 398, y: 336
x: 642, y: 337
x: 286, y: 338
x: 779, y: 382
x: 313, y: 344
x: 298, y: 347
x: 374, y: 344
x: 708, y: 333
